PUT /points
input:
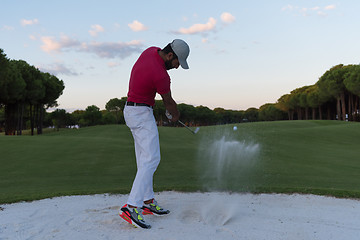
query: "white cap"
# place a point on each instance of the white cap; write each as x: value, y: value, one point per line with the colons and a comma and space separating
x: 182, y: 50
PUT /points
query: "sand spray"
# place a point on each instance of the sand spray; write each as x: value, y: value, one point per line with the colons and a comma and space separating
x: 225, y: 156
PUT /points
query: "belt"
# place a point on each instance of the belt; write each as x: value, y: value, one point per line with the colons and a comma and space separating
x: 138, y: 104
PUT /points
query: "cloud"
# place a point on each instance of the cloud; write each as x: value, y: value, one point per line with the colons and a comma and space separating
x: 25, y: 22
x: 199, y: 28
x: 52, y: 45
x: 330, y: 7
x: 49, y: 44
x: 321, y: 14
x: 305, y: 11
x: 58, y: 69
x: 7, y: 28
x: 227, y: 17
x: 112, y: 49
x: 137, y: 26
x: 113, y: 64
x: 96, y: 29
x: 101, y: 49
x: 287, y: 7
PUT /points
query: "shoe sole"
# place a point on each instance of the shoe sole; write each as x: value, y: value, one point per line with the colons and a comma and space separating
x: 125, y: 215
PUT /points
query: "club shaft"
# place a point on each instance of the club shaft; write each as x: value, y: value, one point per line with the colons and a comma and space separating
x: 186, y: 126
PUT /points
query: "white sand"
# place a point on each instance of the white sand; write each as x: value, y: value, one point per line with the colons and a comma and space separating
x: 193, y: 216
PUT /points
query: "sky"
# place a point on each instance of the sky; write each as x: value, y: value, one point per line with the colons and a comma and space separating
x: 242, y: 53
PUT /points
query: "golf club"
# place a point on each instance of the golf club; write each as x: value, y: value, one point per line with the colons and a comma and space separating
x: 194, y: 132
x: 168, y: 115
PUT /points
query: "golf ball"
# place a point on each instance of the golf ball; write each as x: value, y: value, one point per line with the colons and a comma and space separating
x: 235, y: 128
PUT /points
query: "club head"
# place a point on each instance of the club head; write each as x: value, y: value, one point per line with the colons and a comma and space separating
x: 196, y: 130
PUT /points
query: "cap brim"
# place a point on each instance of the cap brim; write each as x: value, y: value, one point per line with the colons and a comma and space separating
x: 183, y: 64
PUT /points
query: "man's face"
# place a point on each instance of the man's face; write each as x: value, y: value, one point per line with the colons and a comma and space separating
x: 173, y: 62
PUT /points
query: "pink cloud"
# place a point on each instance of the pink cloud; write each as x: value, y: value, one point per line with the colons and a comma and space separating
x: 199, y: 28
x: 137, y: 26
x: 25, y: 22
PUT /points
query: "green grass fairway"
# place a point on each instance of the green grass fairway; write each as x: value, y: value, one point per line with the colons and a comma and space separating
x: 320, y: 157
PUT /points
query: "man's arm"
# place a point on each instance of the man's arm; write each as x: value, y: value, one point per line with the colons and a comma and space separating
x: 171, y: 106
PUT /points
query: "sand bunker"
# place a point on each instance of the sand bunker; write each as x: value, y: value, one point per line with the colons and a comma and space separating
x: 193, y: 216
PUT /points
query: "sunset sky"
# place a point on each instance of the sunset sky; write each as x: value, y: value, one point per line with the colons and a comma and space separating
x: 243, y: 53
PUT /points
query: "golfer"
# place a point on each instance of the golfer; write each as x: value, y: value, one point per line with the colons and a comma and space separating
x: 149, y: 76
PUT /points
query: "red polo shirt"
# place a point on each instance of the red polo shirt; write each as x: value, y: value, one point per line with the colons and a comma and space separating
x: 148, y: 77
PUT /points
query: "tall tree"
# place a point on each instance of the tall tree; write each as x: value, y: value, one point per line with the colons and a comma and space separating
x: 205, y: 116
x: 34, y: 91
x: 269, y: 112
x: 228, y: 116
x: 352, y: 80
x: 92, y: 116
x: 314, y: 101
x: 78, y: 117
x: 298, y: 101
x: 303, y: 104
x: 24, y: 87
x: 115, y: 107
x: 4, y: 65
x: 332, y: 82
x: 12, y: 87
x: 352, y: 84
x: 60, y: 118
x: 53, y: 90
x: 284, y: 104
x: 252, y: 114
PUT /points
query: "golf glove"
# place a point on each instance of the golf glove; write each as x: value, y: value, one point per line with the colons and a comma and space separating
x: 168, y: 115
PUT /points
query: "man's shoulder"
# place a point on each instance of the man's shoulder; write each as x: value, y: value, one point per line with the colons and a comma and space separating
x: 152, y: 50
x: 149, y: 55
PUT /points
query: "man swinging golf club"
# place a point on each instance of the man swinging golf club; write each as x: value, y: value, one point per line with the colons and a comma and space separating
x: 149, y: 76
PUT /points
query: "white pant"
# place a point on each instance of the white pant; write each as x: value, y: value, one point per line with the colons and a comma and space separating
x: 142, y: 124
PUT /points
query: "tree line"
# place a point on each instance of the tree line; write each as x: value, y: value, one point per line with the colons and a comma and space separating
x: 191, y: 115
x: 335, y: 96
x: 25, y: 94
